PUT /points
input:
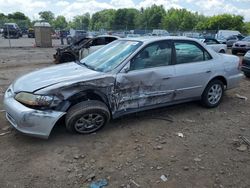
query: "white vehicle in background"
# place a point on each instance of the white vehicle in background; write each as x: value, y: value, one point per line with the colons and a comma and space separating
x: 160, y: 32
x: 215, y: 45
x: 222, y: 35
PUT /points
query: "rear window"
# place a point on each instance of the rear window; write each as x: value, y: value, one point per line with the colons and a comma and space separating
x: 189, y: 52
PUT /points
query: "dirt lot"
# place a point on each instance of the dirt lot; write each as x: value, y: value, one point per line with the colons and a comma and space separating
x: 131, y: 151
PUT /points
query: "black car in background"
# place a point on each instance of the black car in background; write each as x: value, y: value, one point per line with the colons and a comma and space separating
x: 241, y: 46
x: 246, y: 64
x: 76, y: 35
x: 11, y: 30
x: 31, y: 33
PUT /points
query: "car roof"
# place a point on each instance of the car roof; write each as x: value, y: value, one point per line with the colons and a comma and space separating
x: 113, y: 36
x: 149, y: 39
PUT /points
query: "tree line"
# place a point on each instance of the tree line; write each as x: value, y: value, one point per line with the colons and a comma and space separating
x: 154, y: 17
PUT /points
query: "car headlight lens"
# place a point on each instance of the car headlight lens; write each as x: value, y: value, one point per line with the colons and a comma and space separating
x: 34, y: 100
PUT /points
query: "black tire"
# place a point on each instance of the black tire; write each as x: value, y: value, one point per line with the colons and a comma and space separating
x: 234, y: 52
x: 78, y: 117
x: 207, y: 97
x: 67, y: 57
x: 247, y: 74
x: 222, y: 51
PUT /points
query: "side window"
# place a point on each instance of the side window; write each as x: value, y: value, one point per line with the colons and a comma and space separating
x: 210, y: 41
x: 109, y: 39
x: 154, y: 55
x: 98, y: 41
x: 188, y: 52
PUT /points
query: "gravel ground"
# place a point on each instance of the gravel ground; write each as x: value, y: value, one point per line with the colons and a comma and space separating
x: 133, y: 151
x: 23, y: 42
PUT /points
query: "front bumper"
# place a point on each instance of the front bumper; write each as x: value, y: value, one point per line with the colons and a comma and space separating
x: 29, y: 121
x: 240, y: 49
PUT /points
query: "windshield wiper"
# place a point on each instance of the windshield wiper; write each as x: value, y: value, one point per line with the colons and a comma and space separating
x: 86, y: 65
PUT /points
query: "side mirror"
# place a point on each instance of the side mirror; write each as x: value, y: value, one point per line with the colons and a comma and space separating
x: 126, y: 68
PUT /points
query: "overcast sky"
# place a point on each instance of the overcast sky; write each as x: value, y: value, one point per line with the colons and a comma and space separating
x: 70, y: 8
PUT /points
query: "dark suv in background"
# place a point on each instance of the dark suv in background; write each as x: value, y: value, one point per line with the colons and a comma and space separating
x: 76, y: 35
x: 11, y: 30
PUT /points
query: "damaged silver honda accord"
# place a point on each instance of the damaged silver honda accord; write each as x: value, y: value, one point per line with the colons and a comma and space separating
x: 125, y: 76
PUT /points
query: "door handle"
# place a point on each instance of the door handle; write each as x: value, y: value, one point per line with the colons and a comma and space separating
x: 166, y: 78
x: 208, y: 71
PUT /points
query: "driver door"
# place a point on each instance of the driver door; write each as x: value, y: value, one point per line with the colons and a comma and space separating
x: 147, y: 79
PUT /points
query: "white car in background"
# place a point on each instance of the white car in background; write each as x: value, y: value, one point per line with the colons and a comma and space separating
x: 215, y: 45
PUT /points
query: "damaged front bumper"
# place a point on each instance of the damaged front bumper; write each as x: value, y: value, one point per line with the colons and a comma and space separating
x: 29, y: 121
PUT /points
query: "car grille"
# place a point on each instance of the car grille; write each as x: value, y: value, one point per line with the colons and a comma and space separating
x: 237, y: 45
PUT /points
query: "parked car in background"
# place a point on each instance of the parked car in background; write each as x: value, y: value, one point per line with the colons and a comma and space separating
x: 11, y: 30
x: 160, y: 32
x: 133, y: 35
x: 222, y: 35
x: 31, y: 33
x: 232, y: 39
x: 241, y: 46
x: 215, y: 45
x: 125, y: 76
x: 193, y: 35
x: 82, y: 48
x: 246, y: 64
x: 75, y: 35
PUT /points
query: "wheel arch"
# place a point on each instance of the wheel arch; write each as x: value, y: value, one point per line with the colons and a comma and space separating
x: 90, y: 94
x: 218, y: 77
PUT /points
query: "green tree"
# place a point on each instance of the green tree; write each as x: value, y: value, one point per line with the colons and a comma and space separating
x: 246, y: 28
x: 60, y: 22
x: 47, y: 16
x: 80, y: 22
x: 103, y: 19
x: 152, y: 17
x: 181, y: 20
x: 226, y: 21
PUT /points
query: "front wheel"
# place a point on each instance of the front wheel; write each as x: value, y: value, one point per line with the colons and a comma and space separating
x: 87, y: 117
x: 222, y: 51
x: 213, y: 94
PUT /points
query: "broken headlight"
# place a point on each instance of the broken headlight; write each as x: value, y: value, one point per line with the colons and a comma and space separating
x: 34, y: 100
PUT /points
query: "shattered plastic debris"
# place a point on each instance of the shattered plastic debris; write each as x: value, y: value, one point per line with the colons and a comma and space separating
x: 136, y: 184
x: 241, y: 97
x: 2, y: 134
x: 2, y: 111
x: 99, y: 183
x: 242, y: 147
x: 197, y: 159
x: 164, y: 178
x: 180, y: 135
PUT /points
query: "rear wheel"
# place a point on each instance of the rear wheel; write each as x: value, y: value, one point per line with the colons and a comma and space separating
x: 87, y: 117
x: 213, y: 94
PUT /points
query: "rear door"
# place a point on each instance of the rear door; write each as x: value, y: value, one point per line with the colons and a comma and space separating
x: 193, y: 68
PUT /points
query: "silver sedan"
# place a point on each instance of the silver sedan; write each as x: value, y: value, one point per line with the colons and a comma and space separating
x: 125, y: 76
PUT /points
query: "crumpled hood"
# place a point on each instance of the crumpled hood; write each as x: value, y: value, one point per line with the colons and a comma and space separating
x: 49, y: 76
